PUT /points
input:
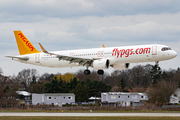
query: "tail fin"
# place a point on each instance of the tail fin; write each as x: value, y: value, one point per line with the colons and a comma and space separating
x: 24, y: 45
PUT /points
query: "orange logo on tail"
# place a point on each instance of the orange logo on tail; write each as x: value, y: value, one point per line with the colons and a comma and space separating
x: 23, y: 38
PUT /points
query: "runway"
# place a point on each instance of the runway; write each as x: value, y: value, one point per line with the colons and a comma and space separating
x: 89, y: 114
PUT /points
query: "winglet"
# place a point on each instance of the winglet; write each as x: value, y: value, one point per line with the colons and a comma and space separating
x: 42, y: 48
x: 103, y: 45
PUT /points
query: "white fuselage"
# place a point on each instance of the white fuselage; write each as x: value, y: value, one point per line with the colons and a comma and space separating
x: 116, y: 55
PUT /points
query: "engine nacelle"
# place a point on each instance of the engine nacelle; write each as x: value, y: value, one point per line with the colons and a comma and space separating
x: 120, y: 66
x: 100, y: 64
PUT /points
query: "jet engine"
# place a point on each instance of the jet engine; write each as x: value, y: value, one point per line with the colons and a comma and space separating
x: 120, y: 66
x: 100, y: 64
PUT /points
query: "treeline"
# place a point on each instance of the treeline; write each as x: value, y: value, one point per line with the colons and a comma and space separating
x: 140, y: 76
x: 29, y: 80
x: 161, y: 83
x: 83, y: 90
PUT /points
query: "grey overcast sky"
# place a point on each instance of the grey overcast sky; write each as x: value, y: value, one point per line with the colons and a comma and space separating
x: 76, y: 24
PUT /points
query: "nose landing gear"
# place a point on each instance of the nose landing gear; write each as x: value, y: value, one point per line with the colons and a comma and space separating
x: 157, y: 64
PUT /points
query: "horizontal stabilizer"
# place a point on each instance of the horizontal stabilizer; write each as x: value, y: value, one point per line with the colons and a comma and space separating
x: 21, y: 58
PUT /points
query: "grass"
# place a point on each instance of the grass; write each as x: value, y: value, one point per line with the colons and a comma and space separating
x: 89, y: 118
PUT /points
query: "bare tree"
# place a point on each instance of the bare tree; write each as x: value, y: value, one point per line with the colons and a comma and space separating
x: 46, y: 76
x: 1, y: 71
x: 161, y: 92
x: 34, y: 76
x: 38, y: 87
x: 140, y: 77
x: 26, y: 76
x: 1, y: 92
x: 93, y: 76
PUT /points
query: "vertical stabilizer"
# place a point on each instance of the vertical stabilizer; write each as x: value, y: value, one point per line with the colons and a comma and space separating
x: 24, y: 45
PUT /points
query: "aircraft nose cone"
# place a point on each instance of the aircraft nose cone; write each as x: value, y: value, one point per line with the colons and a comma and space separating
x: 174, y: 54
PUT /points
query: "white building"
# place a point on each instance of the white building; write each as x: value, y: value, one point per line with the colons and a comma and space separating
x: 124, y: 99
x: 25, y: 96
x: 53, y: 98
x: 175, y: 97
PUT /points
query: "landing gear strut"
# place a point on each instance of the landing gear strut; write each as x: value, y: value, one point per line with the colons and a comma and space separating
x: 157, y: 64
x: 100, y: 72
x: 87, y: 72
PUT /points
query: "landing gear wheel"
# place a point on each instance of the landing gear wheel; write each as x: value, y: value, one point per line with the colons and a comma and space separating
x: 158, y: 68
x: 100, y: 72
x: 87, y: 72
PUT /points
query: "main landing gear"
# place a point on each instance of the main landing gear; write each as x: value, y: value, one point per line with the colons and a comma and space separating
x: 87, y: 72
x: 99, y: 72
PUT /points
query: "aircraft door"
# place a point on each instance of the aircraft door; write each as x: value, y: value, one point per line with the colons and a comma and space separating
x: 37, y: 58
x: 154, y: 50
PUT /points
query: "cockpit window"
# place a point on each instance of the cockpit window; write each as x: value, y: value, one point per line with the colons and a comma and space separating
x: 165, y: 48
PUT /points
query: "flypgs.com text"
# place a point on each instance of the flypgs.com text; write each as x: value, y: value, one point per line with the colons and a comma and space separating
x: 128, y: 52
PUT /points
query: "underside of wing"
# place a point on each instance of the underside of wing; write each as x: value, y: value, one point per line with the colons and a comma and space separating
x: 72, y: 59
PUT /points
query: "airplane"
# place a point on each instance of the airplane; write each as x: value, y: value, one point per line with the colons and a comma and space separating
x: 98, y: 58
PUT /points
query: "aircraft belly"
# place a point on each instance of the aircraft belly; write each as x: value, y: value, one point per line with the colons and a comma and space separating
x: 135, y: 59
x: 64, y: 63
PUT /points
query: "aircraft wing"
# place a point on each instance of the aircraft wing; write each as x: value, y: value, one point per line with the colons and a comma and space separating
x: 81, y: 60
x: 21, y: 58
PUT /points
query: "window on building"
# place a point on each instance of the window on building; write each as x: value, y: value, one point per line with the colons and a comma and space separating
x: 128, y: 96
x: 64, y: 97
x: 54, y: 97
x: 142, y: 96
x: 49, y: 98
x: 119, y: 96
x: 70, y: 98
x: 113, y: 96
x: 134, y: 97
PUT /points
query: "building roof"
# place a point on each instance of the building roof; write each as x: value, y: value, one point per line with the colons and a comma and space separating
x: 94, y: 98
x: 59, y: 94
x: 124, y: 93
x: 24, y: 93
